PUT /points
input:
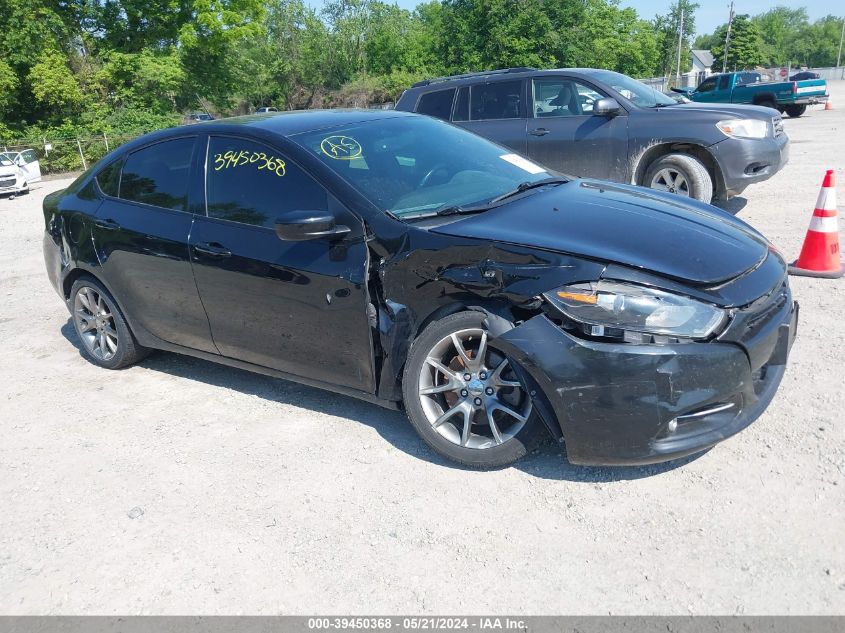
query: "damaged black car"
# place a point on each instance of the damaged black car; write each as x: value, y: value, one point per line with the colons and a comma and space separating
x: 402, y: 260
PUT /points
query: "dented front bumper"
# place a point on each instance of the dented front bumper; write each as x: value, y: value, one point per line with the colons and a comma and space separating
x: 618, y: 403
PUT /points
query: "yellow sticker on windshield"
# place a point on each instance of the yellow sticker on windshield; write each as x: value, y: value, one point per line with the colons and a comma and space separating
x: 341, y: 147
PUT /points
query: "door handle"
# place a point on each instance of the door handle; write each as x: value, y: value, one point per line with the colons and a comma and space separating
x: 108, y: 225
x: 212, y: 249
x: 540, y: 131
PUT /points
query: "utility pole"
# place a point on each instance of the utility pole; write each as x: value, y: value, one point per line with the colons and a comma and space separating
x: 680, y: 42
x: 728, y: 39
x: 841, y: 35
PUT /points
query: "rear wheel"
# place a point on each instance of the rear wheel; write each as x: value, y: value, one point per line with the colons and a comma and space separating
x: 464, y: 398
x: 795, y: 111
x: 768, y: 104
x: 100, y: 326
x: 681, y: 174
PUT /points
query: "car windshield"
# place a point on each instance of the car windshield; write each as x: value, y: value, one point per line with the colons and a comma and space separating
x: 415, y: 166
x: 635, y: 91
x: 5, y: 160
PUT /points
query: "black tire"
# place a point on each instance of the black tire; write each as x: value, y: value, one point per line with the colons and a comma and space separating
x: 768, y: 103
x: 794, y: 111
x: 495, y: 456
x: 126, y: 349
x: 698, y: 179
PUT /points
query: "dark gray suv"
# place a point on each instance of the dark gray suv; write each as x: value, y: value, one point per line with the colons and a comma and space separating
x: 602, y: 124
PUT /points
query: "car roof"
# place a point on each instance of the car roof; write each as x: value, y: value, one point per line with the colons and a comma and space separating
x: 441, y: 83
x: 277, y: 123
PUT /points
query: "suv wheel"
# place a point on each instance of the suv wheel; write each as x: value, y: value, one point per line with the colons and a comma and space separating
x: 463, y: 397
x: 681, y: 174
x: 100, y: 326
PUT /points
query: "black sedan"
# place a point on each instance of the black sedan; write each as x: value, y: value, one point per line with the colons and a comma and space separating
x: 804, y: 74
x: 402, y: 260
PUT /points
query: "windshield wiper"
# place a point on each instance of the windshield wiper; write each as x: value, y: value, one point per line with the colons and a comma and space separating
x: 450, y: 210
x: 525, y: 186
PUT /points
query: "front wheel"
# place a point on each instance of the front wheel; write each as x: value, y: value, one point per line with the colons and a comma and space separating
x: 794, y: 111
x: 464, y: 398
x: 680, y: 174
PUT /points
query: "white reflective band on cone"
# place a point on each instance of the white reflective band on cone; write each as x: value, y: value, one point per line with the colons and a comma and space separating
x: 824, y: 225
x: 827, y: 199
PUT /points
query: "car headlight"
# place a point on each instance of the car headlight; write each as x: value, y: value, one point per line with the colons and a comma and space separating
x: 625, y: 311
x: 744, y: 128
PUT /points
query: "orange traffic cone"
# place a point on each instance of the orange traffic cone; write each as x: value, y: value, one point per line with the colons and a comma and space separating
x: 828, y: 105
x: 820, y: 254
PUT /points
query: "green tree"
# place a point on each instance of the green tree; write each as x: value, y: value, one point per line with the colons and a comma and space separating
x: 667, y: 28
x: 779, y: 29
x: 8, y: 87
x: 744, y: 49
x: 54, y: 86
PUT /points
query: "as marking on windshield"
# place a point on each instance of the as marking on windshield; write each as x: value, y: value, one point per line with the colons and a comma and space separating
x: 341, y: 147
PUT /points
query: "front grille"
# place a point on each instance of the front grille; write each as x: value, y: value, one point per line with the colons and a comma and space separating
x: 777, y: 125
x: 7, y: 182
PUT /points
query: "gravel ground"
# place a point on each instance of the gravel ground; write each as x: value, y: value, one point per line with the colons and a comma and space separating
x: 179, y: 486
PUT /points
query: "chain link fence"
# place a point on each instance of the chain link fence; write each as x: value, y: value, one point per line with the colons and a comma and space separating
x: 63, y: 155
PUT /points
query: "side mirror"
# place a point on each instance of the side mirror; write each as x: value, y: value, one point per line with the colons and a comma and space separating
x: 298, y: 226
x: 606, y: 107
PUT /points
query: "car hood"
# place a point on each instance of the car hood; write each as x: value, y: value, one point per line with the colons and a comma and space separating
x: 663, y: 233
x: 722, y: 110
x: 8, y: 170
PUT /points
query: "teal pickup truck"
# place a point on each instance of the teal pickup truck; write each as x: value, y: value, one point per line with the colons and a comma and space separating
x: 791, y: 97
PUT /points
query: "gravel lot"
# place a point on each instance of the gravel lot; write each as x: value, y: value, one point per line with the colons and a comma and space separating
x: 179, y: 486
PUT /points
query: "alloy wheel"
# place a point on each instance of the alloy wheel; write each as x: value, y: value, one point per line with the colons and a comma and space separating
x: 95, y: 323
x: 470, y: 393
x: 671, y: 180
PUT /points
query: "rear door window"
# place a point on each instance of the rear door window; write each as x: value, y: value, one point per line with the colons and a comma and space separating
x: 158, y: 175
x: 498, y: 100
x: 724, y: 82
x: 437, y: 104
x: 109, y: 179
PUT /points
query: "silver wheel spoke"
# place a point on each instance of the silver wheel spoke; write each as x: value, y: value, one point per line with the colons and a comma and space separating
x: 83, y: 299
x: 449, y: 413
x: 111, y: 340
x: 461, y: 351
x: 449, y: 386
x: 467, y: 426
x: 499, y: 406
x: 494, y: 428
x: 501, y: 382
x: 85, y: 321
x: 482, y: 350
x: 441, y: 368
x: 92, y: 301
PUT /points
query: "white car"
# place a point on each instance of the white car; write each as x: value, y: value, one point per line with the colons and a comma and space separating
x: 17, y: 171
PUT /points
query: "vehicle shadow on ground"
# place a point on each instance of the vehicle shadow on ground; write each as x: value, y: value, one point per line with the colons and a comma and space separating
x: 732, y: 206
x: 548, y: 461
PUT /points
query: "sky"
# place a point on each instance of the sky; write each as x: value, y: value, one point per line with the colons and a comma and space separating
x: 709, y: 15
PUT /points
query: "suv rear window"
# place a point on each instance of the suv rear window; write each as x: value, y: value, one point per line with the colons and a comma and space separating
x: 437, y: 104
